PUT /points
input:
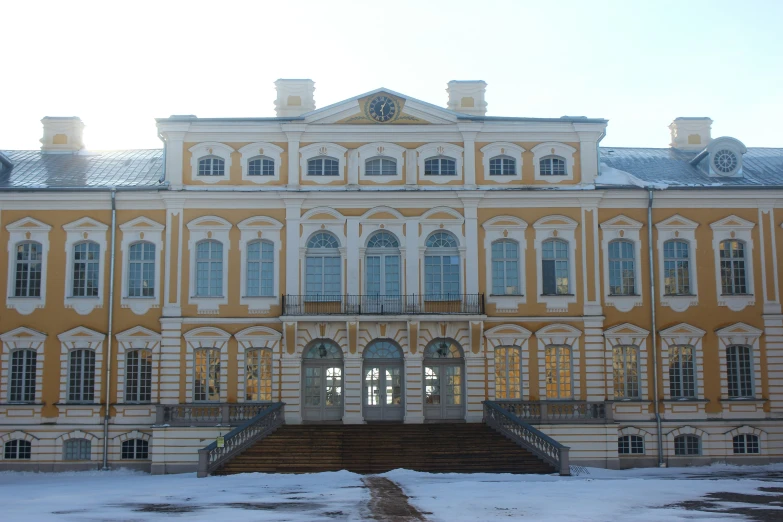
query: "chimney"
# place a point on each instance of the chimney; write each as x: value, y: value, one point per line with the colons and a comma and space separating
x: 690, y: 133
x: 294, y: 97
x: 467, y: 97
x: 62, y: 134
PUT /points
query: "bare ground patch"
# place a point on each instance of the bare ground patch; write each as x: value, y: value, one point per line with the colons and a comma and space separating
x: 388, y: 503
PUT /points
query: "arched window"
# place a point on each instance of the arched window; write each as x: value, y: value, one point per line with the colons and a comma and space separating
x: 554, y: 267
x: 676, y: 267
x: 380, y: 167
x: 505, y: 267
x: 77, y: 449
x: 86, y: 268
x: 135, y: 449
x: 323, y: 167
x: 258, y: 375
x: 382, y: 265
x: 733, y: 273
x: 29, y: 259
x: 81, y: 376
x: 209, y: 268
x: 206, y: 373
x: 502, y: 166
x: 739, y: 369
x: 323, y: 264
x: 260, y: 269
x: 630, y: 445
x: 558, y: 372
x: 23, y: 369
x: 625, y: 361
x: 138, y: 376
x: 141, y: 270
x: 440, y: 166
x: 553, y: 166
x: 18, y: 449
x: 261, y: 166
x: 687, y: 445
x: 622, y: 268
x: 380, y: 349
x: 508, y: 372
x: 682, y: 372
x: 211, y: 166
x: 441, y: 267
x: 745, y: 444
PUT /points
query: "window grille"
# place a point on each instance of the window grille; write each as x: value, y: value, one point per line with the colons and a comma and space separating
x: 77, y: 449
x: 682, y: 372
x: 502, y: 166
x: 732, y: 268
x: 380, y: 167
x: 206, y: 373
x: 630, y: 445
x: 211, y: 166
x: 625, y: 361
x: 323, y: 167
x: 209, y: 269
x: 135, y: 449
x: 508, y: 372
x: 745, y: 444
x: 258, y: 386
x: 261, y: 167
x: 18, y: 450
x: 558, y: 372
x: 260, y: 269
x: 552, y: 166
x: 440, y: 167
x: 441, y: 267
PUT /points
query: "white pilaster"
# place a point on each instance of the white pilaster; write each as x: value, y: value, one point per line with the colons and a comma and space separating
x: 469, y: 133
x: 291, y: 387
x: 293, y: 132
x: 594, y: 359
x: 414, y: 374
x: 352, y: 243
x: 293, y: 215
x: 474, y: 386
x: 412, y: 256
x: 170, y: 350
x: 470, y: 203
x: 174, y: 133
x: 589, y: 134
x: 352, y: 387
x: 773, y: 340
x: 411, y: 177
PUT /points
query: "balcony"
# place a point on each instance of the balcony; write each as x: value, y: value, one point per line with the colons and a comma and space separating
x: 559, y: 412
x: 412, y: 304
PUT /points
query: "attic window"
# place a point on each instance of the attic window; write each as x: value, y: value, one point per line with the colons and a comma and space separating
x: 725, y: 161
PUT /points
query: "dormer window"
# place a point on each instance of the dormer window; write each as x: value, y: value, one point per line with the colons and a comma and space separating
x: 261, y: 166
x: 440, y: 166
x: 553, y: 166
x: 725, y: 157
x: 725, y: 161
x: 211, y: 166
x: 323, y: 167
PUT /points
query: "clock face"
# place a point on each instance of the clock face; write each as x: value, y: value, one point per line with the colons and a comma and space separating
x: 382, y: 108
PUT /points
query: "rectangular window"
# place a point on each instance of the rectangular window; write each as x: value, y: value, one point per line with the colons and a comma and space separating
x: 77, y: 449
x: 676, y: 267
x: 739, y: 367
x: 86, y: 265
x: 558, y: 372
x: 260, y: 269
x: 630, y: 445
x: 622, y: 270
x: 508, y: 372
x: 732, y: 268
x: 29, y: 258
x: 505, y: 268
x: 141, y: 270
x: 441, y: 277
x: 626, y: 372
x: 81, y: 376
x: 209, y: 269
x: 138, y: 376
x: 23, y: 369
x: 682, y: 372
x: 259, y: 375
x: 207, y: 375
x: 554, y: 268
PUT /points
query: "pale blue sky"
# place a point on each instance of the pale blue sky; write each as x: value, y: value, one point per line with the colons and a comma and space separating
x: 118, y: 65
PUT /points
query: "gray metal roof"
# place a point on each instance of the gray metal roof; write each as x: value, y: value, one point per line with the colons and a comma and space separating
x: 760, y: 166
x: 94, y: 169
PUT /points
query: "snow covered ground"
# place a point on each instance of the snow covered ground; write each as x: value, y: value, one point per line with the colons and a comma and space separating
x: 648, y: 495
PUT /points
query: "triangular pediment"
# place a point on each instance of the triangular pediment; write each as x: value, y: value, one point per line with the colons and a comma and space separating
x: 355, y: 111
x: 676, y: 221
x: 141, y: 223
x: 23, y: 334
x: 512, y: 331
x: 682, y: 329
x: 28, y: 224
x: 138, y: 332
x: 734, y: 222
x: 626, y: 329
x: 739, y: 329
x: 80, y: 333
x: 85, y: 224
x: 621, y: 222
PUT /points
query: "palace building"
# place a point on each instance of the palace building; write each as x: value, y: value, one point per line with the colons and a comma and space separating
x: 387, y: 260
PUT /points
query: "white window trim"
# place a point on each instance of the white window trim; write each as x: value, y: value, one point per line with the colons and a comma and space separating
x: 309, y: 227
x: 678, y: 227
x: 81, y: 338
x: 116, y: 448
x: 623, y: 228
x: 316, y: 150
x: 561, y: 335
x: 552, y: 148
x: 210, y: 148
x: 745, y: 430
x: 729, y: 228
x: 260, y: 148
x: 59, y: 446
x: 134, y: 231
x: 218, y: 229
x: 358, y: 158
x: 427, y: 226
x: 84, y: 229
x: 206, y: 337
x: 687, y: 430
x: 739, y: 334
x: 265, y: 229
x: 500, y: 148
x: 646, y: 436
x: 556, y: 227
x: 369, y: 226
x: 21, y: 339
x: 497, y: 228
x: 138, y: 338
x: 509, y: 335
x: 448, y: 150
x: 683, y: 334
x: 257, y: 337
x: 20, y: 435
x: 626, y: 335
x: 26, y: 229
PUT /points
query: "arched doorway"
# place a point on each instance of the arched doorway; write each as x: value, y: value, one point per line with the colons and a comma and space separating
x: 383, y: 383
x: 444, y: 381
x: 322, y: 381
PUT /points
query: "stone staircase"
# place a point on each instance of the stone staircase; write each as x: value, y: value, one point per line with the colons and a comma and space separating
x: 377, y: 448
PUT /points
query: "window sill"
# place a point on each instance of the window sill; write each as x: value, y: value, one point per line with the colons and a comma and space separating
x: 743, y: 399
x: 211, y: 179
x: 685, y: 400
x: 506, y: 303
x: 208, y: 304
x: 557, y: 302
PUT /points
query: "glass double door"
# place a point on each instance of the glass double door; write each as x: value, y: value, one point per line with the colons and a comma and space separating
x: 444, y: 391
x: 323, y: 392
x: 382, y: 288
x: 383, y: 392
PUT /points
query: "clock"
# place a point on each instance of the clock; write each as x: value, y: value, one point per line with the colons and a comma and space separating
x: 382, y: 109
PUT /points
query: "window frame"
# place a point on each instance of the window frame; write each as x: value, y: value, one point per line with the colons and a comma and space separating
x: 626, y: 334
x: 206, y: 337
x: 508, y: 395
x: 509, y: 335
x: 81, y: 338
x: 504, y: 260
x: 21, y: 231
x: 680, y: 263
x: 562, y: 228
x: 741, y: 334
x: 511, y: 228
x: 323, y: 150
x: 261, y: 228
x: 261, y: 149
x: 83, y: 390
x: 25, y: 385
x: 625, y: 396
x: 138, y: 338
x: 631, y: 439
x: 687, y: 439
x: 678, y: 228
x: 140, y: 376
x: 80, y: 442
x: 733, y: 228
x: 440, y: 150
x: 551, y: 148
x: 559, y: 335
x: 622, y: 228
x: 358, y: 158
x: 558, y: 372
x: 743, y: 441
x: 201, y: 229
x: 258, y: 338
x: 80, y: 231
x: 137, y: 444
x: 441, y: 253
x: 210, y: 149
x: 556, y: 259
x: 678, y: 350
x: 137, y: 230
x: 266, y: 355
x: 383, y: 253
x: 323, y: 254
x: 505, y: 149
x: 213, y: 363
x: 28, y: 447
x: 22, y: 339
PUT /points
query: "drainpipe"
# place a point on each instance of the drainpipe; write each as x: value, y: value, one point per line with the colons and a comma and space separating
x: 110, y: 333
x: 659, y: 431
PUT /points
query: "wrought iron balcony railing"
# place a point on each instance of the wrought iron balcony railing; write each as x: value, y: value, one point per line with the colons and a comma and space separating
x: 411, y: 304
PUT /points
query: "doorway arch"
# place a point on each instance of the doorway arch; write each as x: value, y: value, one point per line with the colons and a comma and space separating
x: 382, y: 398
x: 322, y: 381
x: 444, y: 380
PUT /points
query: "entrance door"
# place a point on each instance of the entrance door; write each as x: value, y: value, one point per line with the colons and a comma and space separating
x: 322, y: 382
x: 444, y: 383
x: 383, y: 382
